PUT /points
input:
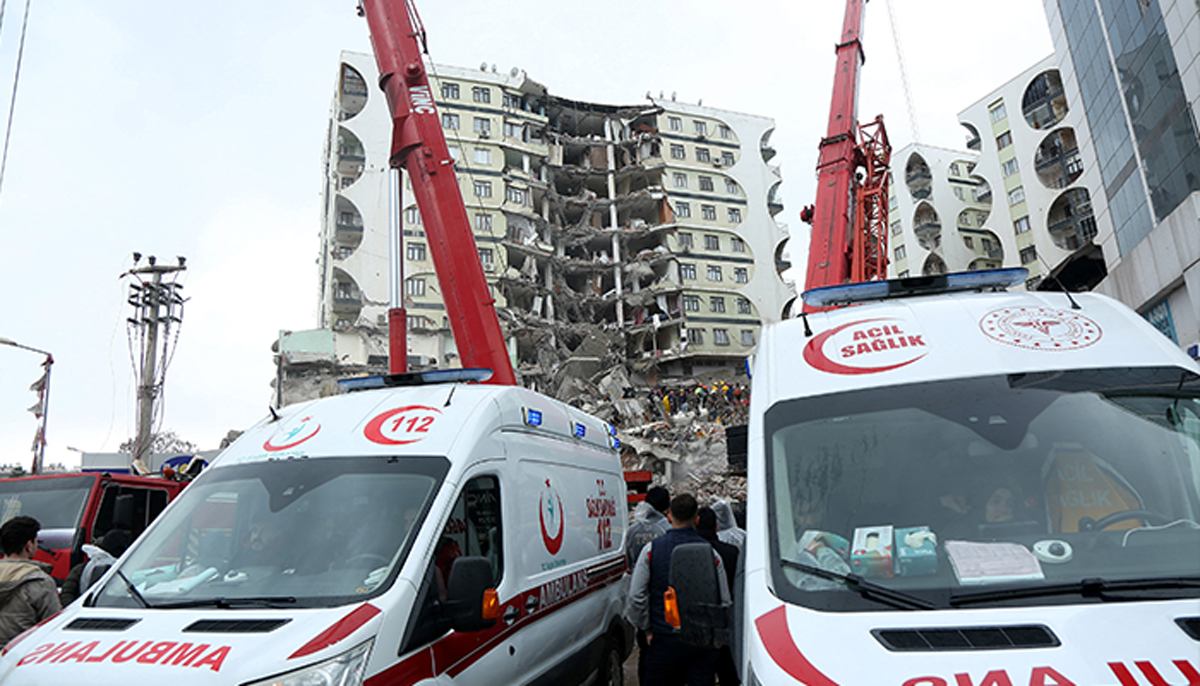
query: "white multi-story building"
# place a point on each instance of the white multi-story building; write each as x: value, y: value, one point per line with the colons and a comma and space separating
x: 651, y: 225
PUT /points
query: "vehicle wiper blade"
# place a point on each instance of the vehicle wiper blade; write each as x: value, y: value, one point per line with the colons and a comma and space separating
x: 133, y: 591
x: 1087, y: 588
x: 867, y: 589
x: 230, y: 603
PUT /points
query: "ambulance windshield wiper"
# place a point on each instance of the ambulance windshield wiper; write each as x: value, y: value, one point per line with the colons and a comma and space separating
x: 230, y: 603
x: 1087, y: 588
x: 133, y: 590
x: 867, y: 589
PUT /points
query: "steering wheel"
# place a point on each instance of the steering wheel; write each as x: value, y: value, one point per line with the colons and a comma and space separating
x: 349, y: 562
x: 1089, y: 524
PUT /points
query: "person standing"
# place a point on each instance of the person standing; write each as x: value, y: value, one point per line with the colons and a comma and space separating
x: 706, y: 526
x: 669, y: 660
x: 27, y: 593
x: 649, y: 522
x: 727, y: 527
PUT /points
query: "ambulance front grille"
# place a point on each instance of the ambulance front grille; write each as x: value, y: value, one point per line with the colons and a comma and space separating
x: 100, y: 624
x: 235, y: 626
x: 967, y: 638
x: 1190, y: 626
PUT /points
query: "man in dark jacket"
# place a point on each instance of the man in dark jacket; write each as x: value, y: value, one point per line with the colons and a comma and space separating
x: 27, y: 593
x: 706, y: 526
x: 670, y: 660
x: 649, y: 522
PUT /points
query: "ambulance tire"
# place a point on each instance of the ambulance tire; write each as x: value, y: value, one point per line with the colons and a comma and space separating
x: 612, y: 668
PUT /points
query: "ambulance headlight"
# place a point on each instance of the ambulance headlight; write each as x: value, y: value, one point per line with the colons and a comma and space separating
x: 346, y: 669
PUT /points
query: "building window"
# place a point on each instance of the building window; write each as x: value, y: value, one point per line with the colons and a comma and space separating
x: 683, y: 209
x: 724, y: 132
x: 735, y: 215
x: 986, y: 244
x: 450, y: 91
x: 893, y: 203
x: 896, y: 228
x: 514, y: 130
x: 680, y: 180
x: 417, y: 321
x: 449, y: 121
x: 416, y: 251
x: 727, y: 159
x: 687, y: 272
x: 691, y: 303
x: 960, y: 193
x: 740, y: 275
x: 1016, y: 195
x: 714, y: 272
x: 743, y: 306
x: 483, y: 126
x: 712, y: 242
x: 700, y: 127
x: 708, y: 212
x: 954, y: 169
x: 685, y: 241
x: 970, y: 242
x: 487, y: 259
x: 678, y: 152
x: 512, y: 101
x: 721, y: 336
x: 1021, y: 225
x: 675, y: 123
x: 1010, y: 167
x: 747, y: 337
x: 483, y: 189
x: 997, y: 112
x: 1028, y: 255
x: 696, y: 336
x: 483, y: 223
x: 706, y: 183
x: 483, y: 156
x: 481, y: 94
x: 737, y: 245
x: 514, y: 194
x: 412, y: 216
x: 1004, y: 140
x: 455, y: 153
x: 702, y: 155
x: 414, y: 286
x: 731, y: 187
x: 716, y: 304
x: 900, y: 252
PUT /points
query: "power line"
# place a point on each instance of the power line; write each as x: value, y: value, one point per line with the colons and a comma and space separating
x: 12, y: 102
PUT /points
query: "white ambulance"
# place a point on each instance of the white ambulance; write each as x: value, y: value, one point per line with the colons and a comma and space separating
x: 959, y: 486
x: 443, y: 533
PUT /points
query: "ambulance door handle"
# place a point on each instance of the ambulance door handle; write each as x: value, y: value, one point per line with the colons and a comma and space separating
x: 531, y: 603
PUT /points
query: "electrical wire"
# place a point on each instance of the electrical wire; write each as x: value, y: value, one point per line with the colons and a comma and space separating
x: 12, y: 103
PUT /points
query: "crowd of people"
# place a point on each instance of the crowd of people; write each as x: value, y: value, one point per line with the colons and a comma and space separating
x: 660, y: 523
x: 720, y: 400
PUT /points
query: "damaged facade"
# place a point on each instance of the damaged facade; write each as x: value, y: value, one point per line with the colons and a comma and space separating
x: 640, y: 237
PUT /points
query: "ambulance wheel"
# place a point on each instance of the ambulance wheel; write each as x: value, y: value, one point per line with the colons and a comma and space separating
x: 612, y: 669
x: 1089, y: 524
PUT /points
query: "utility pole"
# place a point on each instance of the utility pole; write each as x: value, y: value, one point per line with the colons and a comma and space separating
x: 42, y: 408
x: 156, y: 303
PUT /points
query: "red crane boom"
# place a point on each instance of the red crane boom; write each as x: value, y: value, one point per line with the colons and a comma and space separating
x: 849, y: 220
x: 419, y: 146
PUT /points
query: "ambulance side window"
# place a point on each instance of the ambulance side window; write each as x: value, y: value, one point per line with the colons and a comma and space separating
x: 473, y: 529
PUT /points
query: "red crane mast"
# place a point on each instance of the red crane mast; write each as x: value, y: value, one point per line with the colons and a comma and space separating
x: 849, y: 219
x: 419, y: 146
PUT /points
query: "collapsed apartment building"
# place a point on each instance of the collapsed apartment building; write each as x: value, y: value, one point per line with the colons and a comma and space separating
x: 625, y: 246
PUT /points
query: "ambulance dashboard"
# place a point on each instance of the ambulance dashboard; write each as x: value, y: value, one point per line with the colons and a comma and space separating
x: 1034, y: 489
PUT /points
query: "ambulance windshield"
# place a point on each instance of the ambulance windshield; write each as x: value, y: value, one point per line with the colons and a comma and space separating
x: 1025, y: 483
x: 298, y: 533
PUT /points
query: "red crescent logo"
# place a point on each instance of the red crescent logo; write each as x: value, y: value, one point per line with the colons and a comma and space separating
x: 413, y: 430
x: 777, y: 639
x: 290, y: 435
x: 816, y: 358
x: 552, y: 544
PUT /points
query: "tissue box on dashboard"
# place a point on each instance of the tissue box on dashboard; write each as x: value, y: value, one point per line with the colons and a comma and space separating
x: 916, y: 551
x: 871, y: 551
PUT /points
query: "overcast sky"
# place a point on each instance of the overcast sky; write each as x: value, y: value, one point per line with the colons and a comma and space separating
x: 196, y: 129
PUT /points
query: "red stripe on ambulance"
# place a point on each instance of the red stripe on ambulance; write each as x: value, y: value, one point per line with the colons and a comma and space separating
x: 339, y: 630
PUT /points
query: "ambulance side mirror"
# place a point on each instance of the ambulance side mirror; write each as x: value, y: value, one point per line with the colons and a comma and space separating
x: 704, y: 619
x: 471, y: 603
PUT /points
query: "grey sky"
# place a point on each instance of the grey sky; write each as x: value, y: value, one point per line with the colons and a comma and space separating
x: 196, y: 130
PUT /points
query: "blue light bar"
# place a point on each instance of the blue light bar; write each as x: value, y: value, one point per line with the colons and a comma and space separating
x: 580, y: 430
x: 982, y: 280
x: 533, y: 417
x: 614, y: 442
x: 612, y: 430
x: 435, y: 376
